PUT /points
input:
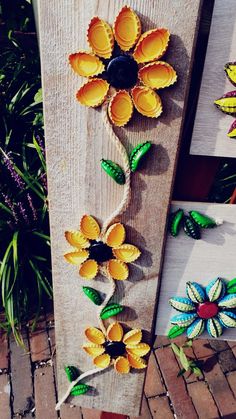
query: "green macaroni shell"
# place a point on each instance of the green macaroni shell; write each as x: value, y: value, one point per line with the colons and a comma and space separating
x: 93, y: 295
x: 111, y: 310
x: 176, y: 219
x: 113, y: 170
x: 137, y: 154
x: 202, y: 220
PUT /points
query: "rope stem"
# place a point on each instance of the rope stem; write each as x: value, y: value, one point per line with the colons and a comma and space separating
x: 127, y: 187
x: 78, y: 379
x: 107, y: 299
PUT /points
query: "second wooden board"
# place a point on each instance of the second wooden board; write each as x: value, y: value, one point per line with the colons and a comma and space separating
x: 211, y: 125
x: 197, y: 260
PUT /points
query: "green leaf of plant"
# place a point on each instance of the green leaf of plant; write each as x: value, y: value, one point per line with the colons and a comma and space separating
x: 181, y: 372
x: 38, y: 97
x: 188, y: 344
x: 196, y: 371
x: 183, y: 359
x: 175, y: 349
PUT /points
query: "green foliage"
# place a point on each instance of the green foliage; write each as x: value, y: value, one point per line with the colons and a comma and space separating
x: 224, y: 182
x: 25, y: 276
x: 187, y: 363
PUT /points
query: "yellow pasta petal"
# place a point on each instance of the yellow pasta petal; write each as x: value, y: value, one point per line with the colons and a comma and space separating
x: 76, y: 258
x: 86, y: 64
x: 115, y: 332
x: 76, y: 239
x: 117, y: 269
x: 102, y: 361
x: 100, y: 37
x: 89, y: 227
x: 120, y: 108
x: 136, y: 362
x: 93, y: 349
x: 126, y: 253
x: 89, y: 269
x: 115, y: 235
x: 94, y: 335
x: 138, y: 350
x: 133, y: 337
x: 146, y: 101
x: 93, y: 92
x: 127, y: 28
x: 151, y: 45
x: 121, y: 365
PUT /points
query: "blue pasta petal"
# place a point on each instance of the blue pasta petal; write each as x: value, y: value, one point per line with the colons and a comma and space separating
x: 229, y: 301
x: 215, y: 289
x: 214, y: 327
x: 183, y: 319
x: 182, y: 304
x: 195, y: 292
x: 227, y: 318
x: 196, y: 329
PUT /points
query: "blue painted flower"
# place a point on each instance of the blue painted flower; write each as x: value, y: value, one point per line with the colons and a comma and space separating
x: 210, y: 308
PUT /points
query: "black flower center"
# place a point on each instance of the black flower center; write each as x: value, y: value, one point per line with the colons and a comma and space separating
x: 114, y: 348
x: 100, y: 251
x: 122, y: 72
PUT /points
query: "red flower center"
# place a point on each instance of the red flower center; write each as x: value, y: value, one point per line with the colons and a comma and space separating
x: 207, y: 310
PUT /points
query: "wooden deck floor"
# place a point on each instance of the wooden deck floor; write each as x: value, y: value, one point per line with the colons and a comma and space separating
x: 28, y: 381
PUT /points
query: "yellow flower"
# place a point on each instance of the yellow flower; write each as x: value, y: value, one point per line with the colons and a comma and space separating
x: 135, y: 74
x: 122, y: 350
x: 110, y: 251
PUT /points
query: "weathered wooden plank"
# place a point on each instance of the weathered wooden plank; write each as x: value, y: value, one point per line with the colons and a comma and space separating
x: 211, y: 126
x: 76, y: 140
x: 197, y: 260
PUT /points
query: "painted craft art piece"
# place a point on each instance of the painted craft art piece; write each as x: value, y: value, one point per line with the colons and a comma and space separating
x: 119, y: 79
x: 211, y: 308
x: 227, y: 103
x: 191, y: 223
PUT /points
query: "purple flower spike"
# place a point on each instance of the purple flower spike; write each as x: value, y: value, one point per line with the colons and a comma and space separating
x: 16, y: 178
x: 33, y: 209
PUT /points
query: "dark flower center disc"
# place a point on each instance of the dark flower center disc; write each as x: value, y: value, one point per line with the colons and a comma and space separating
x: 122, y: 72
x: 207, y: 310
x: 114, y: 348
x: 100, y: 251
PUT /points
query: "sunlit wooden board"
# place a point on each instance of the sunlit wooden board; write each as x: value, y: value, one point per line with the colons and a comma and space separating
x: 76, y: 140
x: 211, y: 125
x: 197, y: 260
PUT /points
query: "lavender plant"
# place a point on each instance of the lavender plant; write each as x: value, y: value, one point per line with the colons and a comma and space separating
x: 25, y: 266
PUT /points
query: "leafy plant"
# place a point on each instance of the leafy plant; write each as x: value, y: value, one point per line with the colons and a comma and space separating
x: 186, y: 362
x: 25, y: 275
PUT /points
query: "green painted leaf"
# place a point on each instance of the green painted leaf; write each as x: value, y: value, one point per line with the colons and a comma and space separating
x: 113, y: 170
x: 137, y: 154
x: 231, y: 286
x: 183, y: 359
x: 93, y: 295
x: 79, y: 389
x: 175, y: 349
x: 71, y: 372
x: 176, y: 331
x: 111, y: 310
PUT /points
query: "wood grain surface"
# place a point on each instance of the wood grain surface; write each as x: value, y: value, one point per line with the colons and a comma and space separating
x: 76, y: 140
x: 211, y: 125
x: 197, y: 260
